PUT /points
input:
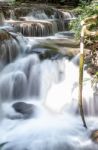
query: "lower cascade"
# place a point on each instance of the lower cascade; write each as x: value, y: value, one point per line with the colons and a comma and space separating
x: 39, y: 89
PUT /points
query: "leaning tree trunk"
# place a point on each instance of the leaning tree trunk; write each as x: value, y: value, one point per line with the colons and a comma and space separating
x: 81, y: 77
x: 85, y: 31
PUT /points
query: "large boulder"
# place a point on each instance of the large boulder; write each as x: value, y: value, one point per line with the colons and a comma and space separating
x: 27, y: 110
x: 4, y: 35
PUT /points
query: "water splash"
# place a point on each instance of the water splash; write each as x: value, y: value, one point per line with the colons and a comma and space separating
x: 54, y: 123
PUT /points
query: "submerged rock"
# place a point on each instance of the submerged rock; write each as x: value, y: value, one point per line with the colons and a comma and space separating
x: 27, y: 110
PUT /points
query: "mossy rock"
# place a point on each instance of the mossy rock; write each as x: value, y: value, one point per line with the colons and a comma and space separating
x: 67, y: 43
x: 49, y: 49
x: 22, y: 11
x: 94, y: 136
x: 4, y: 35
x: 70, y: 52
x: 46, y: 51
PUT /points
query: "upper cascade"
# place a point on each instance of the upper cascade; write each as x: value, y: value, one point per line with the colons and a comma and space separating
x: 39, y: 21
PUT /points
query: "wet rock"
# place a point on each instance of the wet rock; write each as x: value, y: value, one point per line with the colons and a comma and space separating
x: 50, y: 49
x: 46, y: 51
x: 4, y: 35
x: 67, y: 42
x: 69, y: 52
x: 26, y: 109
x: 22, y: 11
x: 94, y: 136
x: 92, y: 69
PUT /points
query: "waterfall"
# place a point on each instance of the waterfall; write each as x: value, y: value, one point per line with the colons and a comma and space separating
x: 40, y: 22
x: 51, y: 89
x: 39, y: 97
x: 11, y: 45
x: 32, y: 74
x: 37, y: 28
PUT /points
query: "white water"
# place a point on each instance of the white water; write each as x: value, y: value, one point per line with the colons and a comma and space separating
x: 52, y: 86
x: 55, y: 124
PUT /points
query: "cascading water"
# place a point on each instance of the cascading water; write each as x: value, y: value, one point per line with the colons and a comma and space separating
x: 39, y: 102
x: 42, y: 21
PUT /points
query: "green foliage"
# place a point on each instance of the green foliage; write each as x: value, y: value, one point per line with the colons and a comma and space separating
x: 83, y: 3
x: 82, y: 12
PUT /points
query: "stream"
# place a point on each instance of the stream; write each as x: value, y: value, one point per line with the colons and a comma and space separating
x: 39, y: 85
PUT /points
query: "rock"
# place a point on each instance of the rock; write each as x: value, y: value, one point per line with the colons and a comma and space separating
x: 22, y: 11
x: 66, y: 42
x: 92, y: 69
x: 94, y: 136
x: 69, y: 52
x: 4, y: 35
x: 26, y: 109
x: 49, y: 49
x: 47, y: 53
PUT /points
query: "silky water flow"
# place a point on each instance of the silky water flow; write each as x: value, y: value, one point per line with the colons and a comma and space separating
x: 39, y: 103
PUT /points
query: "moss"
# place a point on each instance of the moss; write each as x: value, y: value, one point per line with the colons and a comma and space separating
x: 4, y: 35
